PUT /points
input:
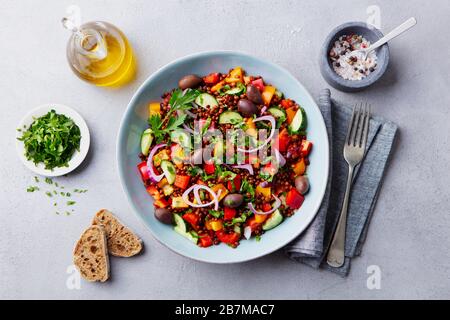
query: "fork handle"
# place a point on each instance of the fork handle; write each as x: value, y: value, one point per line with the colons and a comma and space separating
x: 336, y: 253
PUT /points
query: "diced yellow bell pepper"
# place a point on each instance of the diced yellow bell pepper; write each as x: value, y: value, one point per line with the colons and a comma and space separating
x: 268, y: 93
x: 178, y: 203
x: 159, y: 157
x: 167, y: 189
x: 162, y: 183
x: 300, y: 167
x: 290, y: 114
x: 250, y: 124
x: 177, y: 155
x: 215, y: 225
x: 154, y: 108
x: 265, y: 192
x: 221, y: 187
x: 217, y: 86
x: 235, y: 76
x: 260, y: 218
x: 246, y: 80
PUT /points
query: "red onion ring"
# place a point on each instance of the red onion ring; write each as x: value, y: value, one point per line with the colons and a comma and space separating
x: 276, y: 205
x: 247, y: 232
x: 153, y: 176
x: 280, y: 159
x: 197, y: 187
x: 269, y: 139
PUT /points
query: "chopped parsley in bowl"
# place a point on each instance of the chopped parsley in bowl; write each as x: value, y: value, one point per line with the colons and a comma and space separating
x: 52, y: 140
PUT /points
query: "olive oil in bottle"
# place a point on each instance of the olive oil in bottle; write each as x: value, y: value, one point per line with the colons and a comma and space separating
x: 99, y: 53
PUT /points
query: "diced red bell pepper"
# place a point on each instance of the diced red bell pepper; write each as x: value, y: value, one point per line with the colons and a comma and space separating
x: 162, y: 203
x: 209, y: 168
x: 229, y: 213
x: 182, y: 181
x: 259, y: 83
x: 283, y: 140
x: 235, y: 184
x: 253, y: 224
x: 294, y: 199
x: 266, y: 207
x: 143, y: 169
x: 192, y: 218
x: 205, y: 240
x: 230, y: 238
x: 213, y: 78
x: 287, y: 103
x: 153, y: 191
x: 306, y: 147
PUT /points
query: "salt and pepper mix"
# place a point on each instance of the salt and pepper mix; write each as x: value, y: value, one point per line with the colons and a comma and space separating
x: 348, y: 65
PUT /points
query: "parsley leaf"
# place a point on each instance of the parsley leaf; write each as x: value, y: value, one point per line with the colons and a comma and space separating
x: 52, y: 140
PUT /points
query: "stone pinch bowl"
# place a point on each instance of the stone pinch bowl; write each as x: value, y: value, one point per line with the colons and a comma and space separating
x: 371, y: 34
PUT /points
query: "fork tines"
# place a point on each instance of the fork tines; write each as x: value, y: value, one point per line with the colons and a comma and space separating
x: 358, y: 128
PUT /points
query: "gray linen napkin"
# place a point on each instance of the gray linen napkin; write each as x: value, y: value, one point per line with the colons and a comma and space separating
x: 311, y: 246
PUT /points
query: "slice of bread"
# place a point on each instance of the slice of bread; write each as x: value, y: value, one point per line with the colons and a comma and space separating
x: 122, y: 242
x: 91, y: 255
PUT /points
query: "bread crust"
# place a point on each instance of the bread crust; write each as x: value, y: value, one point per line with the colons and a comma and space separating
x: 122, y: 242
x: 90, y: 255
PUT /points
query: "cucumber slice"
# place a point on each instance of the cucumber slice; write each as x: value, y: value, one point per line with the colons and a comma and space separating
x: 187, y: 235
x: 274, y: 220
x: 169, y: 171
x: 205, y: 99
x: 239, y: 89
x: 146, y: 141
x: 230, y: 117
x: 278, y: 113
x: 181, y: 137
x: 179, y: 223
x: 299, y: 122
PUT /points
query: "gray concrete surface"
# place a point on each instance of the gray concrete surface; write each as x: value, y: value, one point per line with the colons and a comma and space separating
x: 409, y: 235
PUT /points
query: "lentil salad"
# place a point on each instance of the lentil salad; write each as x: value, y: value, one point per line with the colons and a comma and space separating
x: 210, y: 201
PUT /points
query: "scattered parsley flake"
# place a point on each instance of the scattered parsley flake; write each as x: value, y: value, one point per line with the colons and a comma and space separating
x: 49, y: 194
x: 71, y: 203
x: 48, y: 181
x: 32, y: 189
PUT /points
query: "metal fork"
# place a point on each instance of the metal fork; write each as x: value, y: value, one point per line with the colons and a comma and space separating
x: 355, y: 145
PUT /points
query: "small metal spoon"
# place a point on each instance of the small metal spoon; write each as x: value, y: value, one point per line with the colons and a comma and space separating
x: 411, y: 22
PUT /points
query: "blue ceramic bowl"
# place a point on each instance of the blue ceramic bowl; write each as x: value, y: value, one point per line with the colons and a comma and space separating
x: 135, y: 121
x: 360, y: 28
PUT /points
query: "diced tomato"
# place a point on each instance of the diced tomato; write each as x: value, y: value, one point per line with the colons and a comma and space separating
x: 153, y: 191
x: 306, y: 147
x: 182, y: 181
x: 230, y: 238
x: 235, y: 185
x: 210, y: 168
x: 192, y: 218
x: 286, y: 103
x: 213, y: 78
x: 259, y: 83
x: 162, y: 203
x: 205, y: 240
x: 283, y: 140
x: 143, y: 169
x: 266, y: 207
x: 229, y: 213
x: 294, y: 199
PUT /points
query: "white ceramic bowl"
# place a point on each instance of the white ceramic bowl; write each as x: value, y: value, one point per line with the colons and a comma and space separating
x: 77, y: 157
